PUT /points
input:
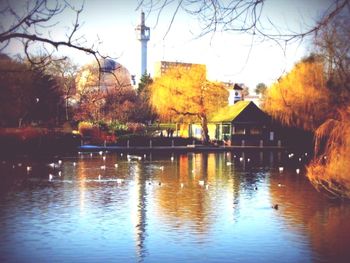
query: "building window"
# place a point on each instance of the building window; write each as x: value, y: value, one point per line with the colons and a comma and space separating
x: 255, y: 131
x: 226, y: 129
x: 239, y: 130
x: 272, y: 135
x: 198, y: 131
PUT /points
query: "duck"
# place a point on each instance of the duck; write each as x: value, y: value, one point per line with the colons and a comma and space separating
x: 120, y: 180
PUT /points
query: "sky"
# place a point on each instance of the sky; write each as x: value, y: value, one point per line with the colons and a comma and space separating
x: 228, y: 56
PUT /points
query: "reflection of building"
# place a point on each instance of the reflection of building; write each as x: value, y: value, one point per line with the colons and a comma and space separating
x: 161, y: 67
x: 139, y: 214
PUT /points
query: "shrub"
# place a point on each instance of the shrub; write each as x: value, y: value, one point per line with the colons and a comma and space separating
x: 117, y: 128
x: 136, y: 127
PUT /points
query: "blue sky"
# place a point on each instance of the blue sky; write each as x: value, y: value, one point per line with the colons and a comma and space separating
x: 228, y: 56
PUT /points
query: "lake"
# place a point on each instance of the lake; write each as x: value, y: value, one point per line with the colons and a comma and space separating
x: 194, y: 207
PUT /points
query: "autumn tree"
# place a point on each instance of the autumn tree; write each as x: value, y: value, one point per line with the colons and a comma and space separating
x: 183, y: 93
x: 109, y: 96
x: 64, y: 71
x: 260, y: 88
x: 300, y: 94
x: 121, y: 105
x: 306, y: 97
x: 27, y: 95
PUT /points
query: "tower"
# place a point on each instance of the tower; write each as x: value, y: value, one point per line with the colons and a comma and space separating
x: 143, y: 34
x: 236, y: 94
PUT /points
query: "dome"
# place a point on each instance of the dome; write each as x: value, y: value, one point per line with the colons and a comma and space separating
x: 114, y: 75
x: 109, y: 65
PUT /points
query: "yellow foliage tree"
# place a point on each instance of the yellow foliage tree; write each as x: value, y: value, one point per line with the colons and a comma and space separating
x: 302, y: 98
x: 184, y: 94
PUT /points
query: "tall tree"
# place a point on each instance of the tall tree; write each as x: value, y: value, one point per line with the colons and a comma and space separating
x: 64, y: 71
x: 27, y: 95
x: 260, y: 88
x: 121, y: 105
x: 332, y: 45
x: 106, y: 96
x: 306, y: 97
x: 300, y: 98
x: 183, y: 93
x: 146, y: 111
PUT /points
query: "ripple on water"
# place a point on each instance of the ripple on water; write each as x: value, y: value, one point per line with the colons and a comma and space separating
x: 157, y: 211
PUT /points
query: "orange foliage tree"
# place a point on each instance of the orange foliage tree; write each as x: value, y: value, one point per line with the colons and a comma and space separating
x: 184, y: 94
x: 304, y: 98
x: 301, y: 97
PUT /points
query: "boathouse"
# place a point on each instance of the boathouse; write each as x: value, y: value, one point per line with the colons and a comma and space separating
x: 244, y: 124
x: 241, y: 123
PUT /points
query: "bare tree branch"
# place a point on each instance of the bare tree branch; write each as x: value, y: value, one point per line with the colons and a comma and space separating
x: 243, y: 16
x: 31, y: 26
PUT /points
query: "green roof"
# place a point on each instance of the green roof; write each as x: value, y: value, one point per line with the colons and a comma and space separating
x: 229, y: 113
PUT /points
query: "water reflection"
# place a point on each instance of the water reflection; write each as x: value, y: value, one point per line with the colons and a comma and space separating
x: 212, y: 207
x: 324, y: 223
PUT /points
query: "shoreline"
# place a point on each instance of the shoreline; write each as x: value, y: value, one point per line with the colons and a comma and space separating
x: 188, y: 148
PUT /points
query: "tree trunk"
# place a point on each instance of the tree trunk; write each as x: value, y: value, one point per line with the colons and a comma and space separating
x: 205, y: 133
x: 67, y: 118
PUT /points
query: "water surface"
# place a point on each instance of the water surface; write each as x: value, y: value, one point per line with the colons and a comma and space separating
x: 209, y: 207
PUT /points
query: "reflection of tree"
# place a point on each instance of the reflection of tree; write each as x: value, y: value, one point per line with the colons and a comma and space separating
x: 195, y: 205
x: 188, y: 204
x: 326, y: 224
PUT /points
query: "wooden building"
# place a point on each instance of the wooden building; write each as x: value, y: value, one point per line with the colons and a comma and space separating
x: 241, y: 124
